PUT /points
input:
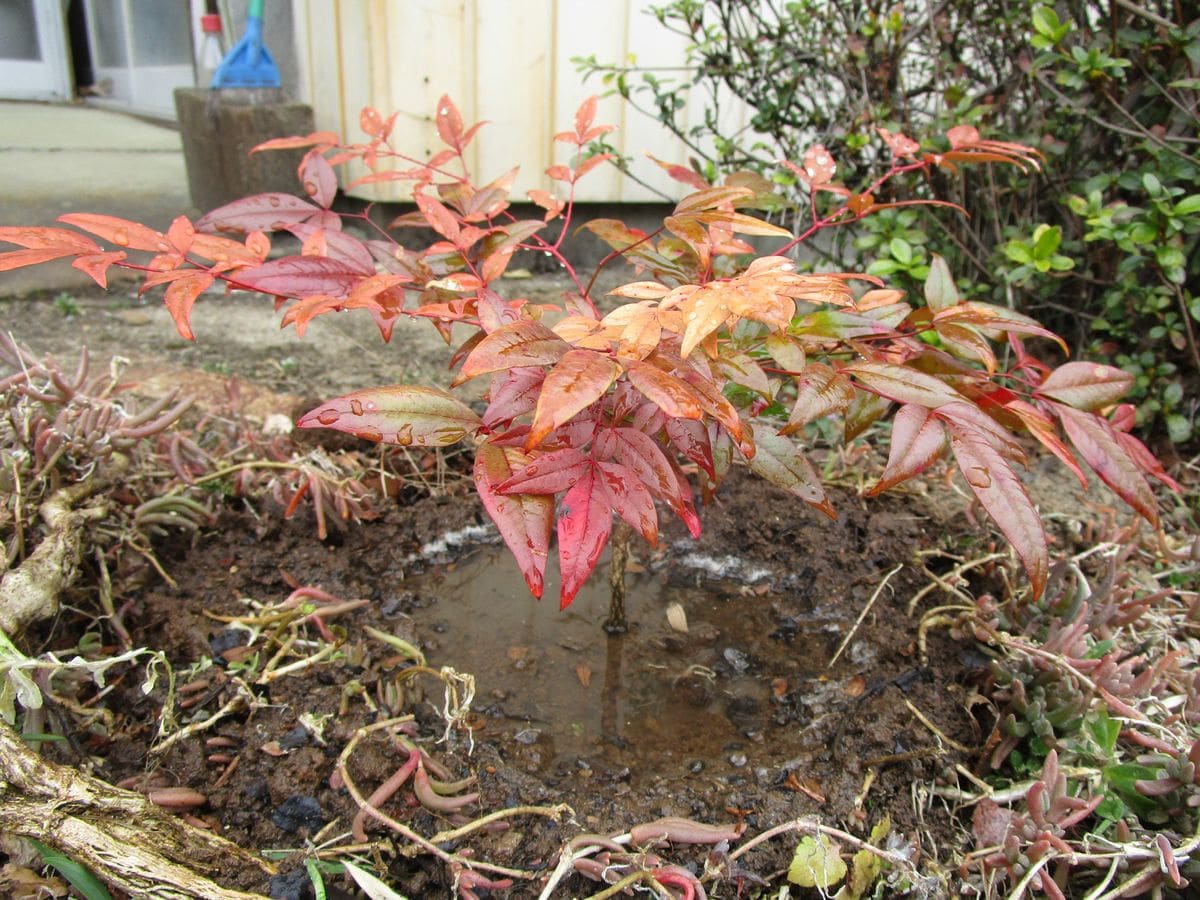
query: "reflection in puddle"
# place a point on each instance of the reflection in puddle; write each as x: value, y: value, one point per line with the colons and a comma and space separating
x: 556, y: 683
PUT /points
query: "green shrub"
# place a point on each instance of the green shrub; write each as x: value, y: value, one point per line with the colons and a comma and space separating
x: 1108, y: 93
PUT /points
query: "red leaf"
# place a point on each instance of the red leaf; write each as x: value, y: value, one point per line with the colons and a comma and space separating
x: 590, y: 163
x: 1097, y: 443
x: 181, y: 234
x: 901, y: 146
x: 819, y: 165
x: 903, y: 384
x: 547, y: 201
x: 781, y: 462
x: 682, y: 174
x: 962, y: 136
x: 1086, y: 386
x: 181, y: 295
x: 521, y: 343
x: 338, y: 245
x: 122, y: 232
x: 819, y: 391
x: 691, y: 438
x: 712, y: 401
x: 579, y: 379
x: 513, y: 393
x: 1041, y: 426
x: 302, y: 276
x: 318, y: 178
x: 401, y: 414
x: 639, y: 452
x: 969, y: 416
x: 672, y: 395
x: 918, y: 440
x: 548, y: 473
x: 440, y: 218
x: 584, y: 524
x: 524, y: 520
x: 864, y: 411
x: 1003, y: 496
x: 371, y: 122
x: 711, y: 198
x: 449, y: 123
x: 630, y: 499
x: 262, y: 212
x: 1145, y: 460
x: 304, y: 310
x: 999, y: 318
x: 585, y: 115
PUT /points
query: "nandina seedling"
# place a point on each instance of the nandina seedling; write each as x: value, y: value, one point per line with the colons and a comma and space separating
x: 589, y: 415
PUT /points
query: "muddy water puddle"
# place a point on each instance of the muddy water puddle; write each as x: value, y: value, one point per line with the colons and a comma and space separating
x: 745, y: 687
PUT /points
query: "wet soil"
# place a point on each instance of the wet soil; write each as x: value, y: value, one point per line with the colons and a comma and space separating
x: 741, y: 714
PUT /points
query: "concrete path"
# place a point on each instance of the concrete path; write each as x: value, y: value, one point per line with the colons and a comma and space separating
x: 64, y: 158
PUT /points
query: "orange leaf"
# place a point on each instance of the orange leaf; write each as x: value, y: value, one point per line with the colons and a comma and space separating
x: 95, y: 265
x: 326, y: 138
x: 181, y: 295
x: 449, y: 123
x: 122, y: 232
x: 47, y: 239
x: 673, y: 396
x: 579, y: 379
x: 521, y: 343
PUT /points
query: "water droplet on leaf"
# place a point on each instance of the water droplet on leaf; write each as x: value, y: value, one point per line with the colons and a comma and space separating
x: 979, y: 477
x: 328, y: 417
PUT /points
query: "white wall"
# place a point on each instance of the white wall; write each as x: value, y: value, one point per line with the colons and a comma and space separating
x: 507, y: 61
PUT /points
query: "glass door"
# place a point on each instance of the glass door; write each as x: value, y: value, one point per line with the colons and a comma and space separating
x: 141, y: 51
x: 34, y: 63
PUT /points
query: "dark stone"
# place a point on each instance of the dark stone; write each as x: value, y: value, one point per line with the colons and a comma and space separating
x: 226, y: 639
x: 293, y: 885
x: 297, y: 737
x: 296, y: 812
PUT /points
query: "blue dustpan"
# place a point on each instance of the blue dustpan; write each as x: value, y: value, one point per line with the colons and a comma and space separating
x: 248, y: 64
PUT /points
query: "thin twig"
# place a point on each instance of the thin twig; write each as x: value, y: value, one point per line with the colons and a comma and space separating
x: 862, y: 615
x: 942, y: 736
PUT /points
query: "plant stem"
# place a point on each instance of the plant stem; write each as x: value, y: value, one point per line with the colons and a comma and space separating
x: 616, y: 623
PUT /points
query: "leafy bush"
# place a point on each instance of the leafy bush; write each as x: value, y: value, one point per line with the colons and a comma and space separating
x: 1106, y: 253
x: 592, y: 413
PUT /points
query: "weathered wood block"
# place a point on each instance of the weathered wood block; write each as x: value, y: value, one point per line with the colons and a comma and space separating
x: 220, y: 127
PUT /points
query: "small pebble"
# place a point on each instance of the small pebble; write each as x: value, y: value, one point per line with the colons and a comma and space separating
x: 736, y: 658
x: 527, y: 736
x: 737, y: 760
x: 696, y: 767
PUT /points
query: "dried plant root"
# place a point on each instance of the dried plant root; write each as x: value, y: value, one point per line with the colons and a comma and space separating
x: 121, y: 836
